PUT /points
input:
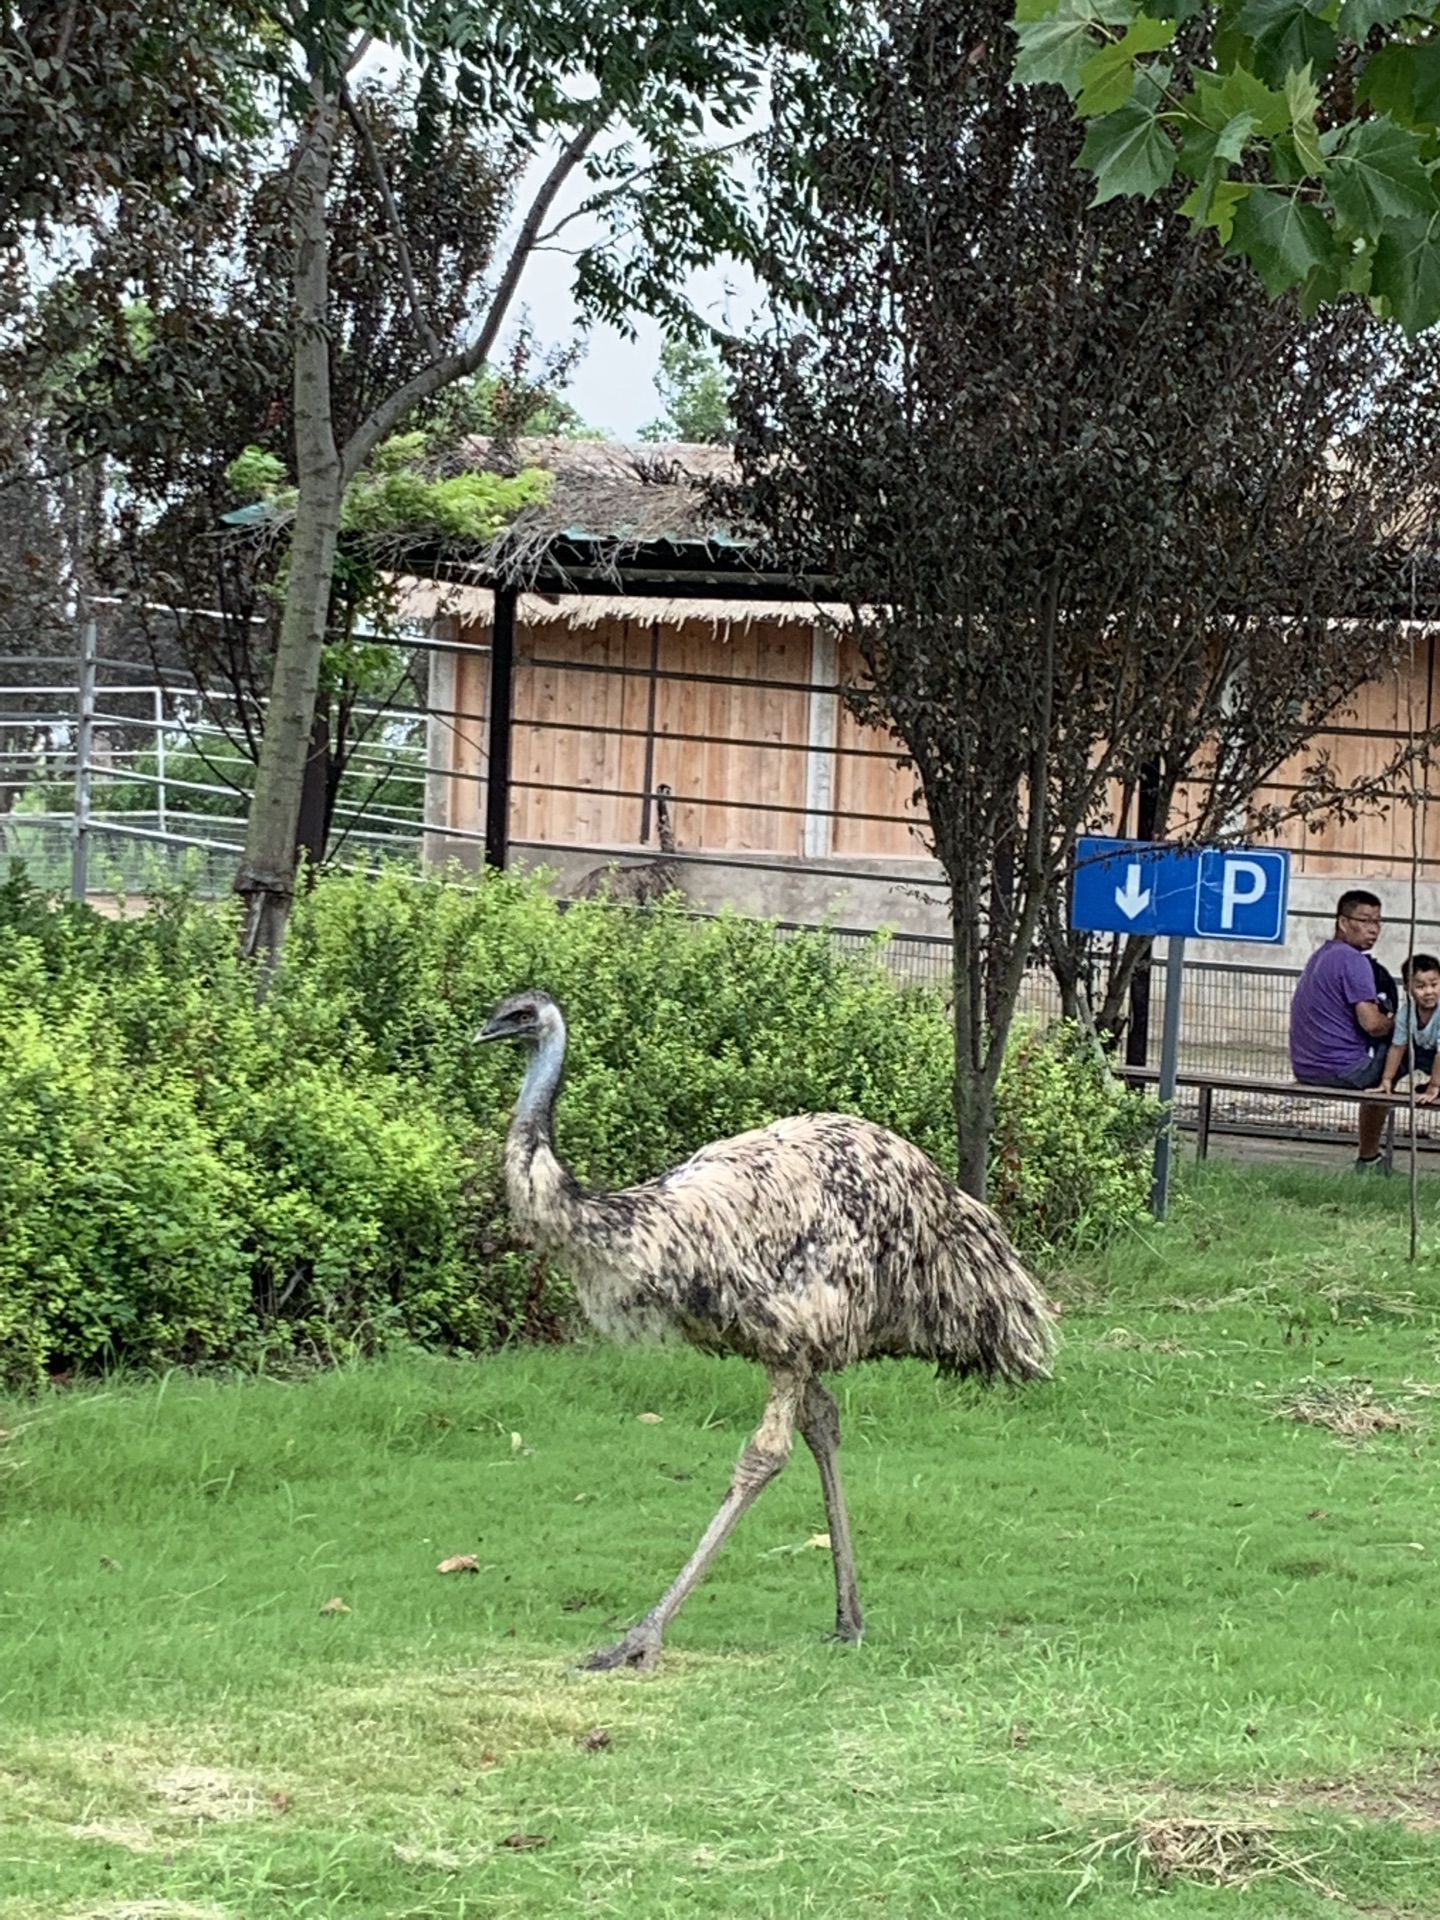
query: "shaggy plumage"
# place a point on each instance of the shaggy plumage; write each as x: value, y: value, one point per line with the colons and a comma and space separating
x: 804, y: 1245
x: 647, y: 880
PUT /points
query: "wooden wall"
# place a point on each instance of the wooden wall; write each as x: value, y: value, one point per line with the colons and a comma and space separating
x: 733, y: 714
x: 1361, y: 741
x: 876, y: 812
x: 730, y: 715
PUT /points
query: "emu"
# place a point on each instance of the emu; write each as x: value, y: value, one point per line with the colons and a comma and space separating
x: 647, y: 880
x: 805, y: 1245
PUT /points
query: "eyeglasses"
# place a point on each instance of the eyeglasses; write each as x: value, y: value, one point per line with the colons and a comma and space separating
x: 1362, y: 919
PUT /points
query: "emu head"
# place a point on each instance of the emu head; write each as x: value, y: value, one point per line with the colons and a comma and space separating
x: 530, y: 1017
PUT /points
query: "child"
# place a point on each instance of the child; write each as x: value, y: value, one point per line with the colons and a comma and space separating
x: 1417, y: 1027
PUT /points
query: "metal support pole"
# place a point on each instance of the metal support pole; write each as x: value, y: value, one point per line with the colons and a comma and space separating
x: 1169, y: 1066
x: 502, y: 713
x: 160, y: 819
x: 84, y: 756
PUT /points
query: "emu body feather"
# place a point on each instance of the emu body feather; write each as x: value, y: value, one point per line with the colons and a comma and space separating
x: 805, y: 1245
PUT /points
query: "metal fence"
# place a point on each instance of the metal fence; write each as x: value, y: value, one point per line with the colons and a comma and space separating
x: 116, y: 777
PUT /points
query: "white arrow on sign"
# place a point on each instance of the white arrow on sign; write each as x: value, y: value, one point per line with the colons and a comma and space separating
x: 1132, y: 898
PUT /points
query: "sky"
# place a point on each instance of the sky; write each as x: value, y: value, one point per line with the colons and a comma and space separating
x: 613, y: 387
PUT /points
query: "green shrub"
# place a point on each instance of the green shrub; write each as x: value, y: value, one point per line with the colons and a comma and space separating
x: 187, y: 1172
x: 1072, y: 1149
x: 120, y: 1223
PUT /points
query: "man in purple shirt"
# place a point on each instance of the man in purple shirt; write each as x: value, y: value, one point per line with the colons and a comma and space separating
x: 1338, y: 1029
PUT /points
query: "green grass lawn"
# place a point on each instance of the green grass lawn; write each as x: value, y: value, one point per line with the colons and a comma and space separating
x: 1136, y: 1618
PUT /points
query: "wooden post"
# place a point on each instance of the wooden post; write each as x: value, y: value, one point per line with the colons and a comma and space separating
x: 441, y: 732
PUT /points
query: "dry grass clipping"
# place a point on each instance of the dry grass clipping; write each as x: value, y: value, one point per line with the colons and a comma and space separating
x: 1346, y: 1407
x: 1215, y: 1852
x: 1220, y: 1853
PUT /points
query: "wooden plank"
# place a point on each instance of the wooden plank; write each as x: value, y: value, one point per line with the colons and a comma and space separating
x: 467, y: 737
x: 873, y: 787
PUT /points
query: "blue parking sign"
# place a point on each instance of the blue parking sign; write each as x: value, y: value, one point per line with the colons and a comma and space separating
x: 1242, y: 893
x: 1146, y: 886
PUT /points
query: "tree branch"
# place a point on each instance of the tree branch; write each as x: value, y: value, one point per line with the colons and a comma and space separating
x: 457, y: 366
x: 429, y: 339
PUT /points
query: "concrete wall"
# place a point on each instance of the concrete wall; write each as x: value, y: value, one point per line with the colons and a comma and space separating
x: 911, y: 897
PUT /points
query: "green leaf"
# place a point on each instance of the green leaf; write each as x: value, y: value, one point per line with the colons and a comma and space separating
x: 1322, y: 287
x: 1058, y: 44
x: 1107, y: 81
x: 1387, y: 83
x: 1303, y: 97
x: 1425, y: 64
x: 1378, y: 175
x: 1287, y: 34
x: 1128, y: 151
x: 1205, y: 149
x: 1358, y: 16
x: 1213, y: 204
x: 1108, y: 78
x: 1405, y: 273
x: 1284, y: 237
x: 1217, y: 99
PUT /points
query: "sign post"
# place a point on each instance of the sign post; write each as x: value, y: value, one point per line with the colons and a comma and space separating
x: 1169, y: 1067
x: 1215, y: 893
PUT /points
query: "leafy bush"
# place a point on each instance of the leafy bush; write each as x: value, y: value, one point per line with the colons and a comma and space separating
x: 189, y: 1173
x: 1072, y: 1150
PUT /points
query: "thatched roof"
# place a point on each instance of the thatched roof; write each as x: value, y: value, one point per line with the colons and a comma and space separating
x: 474, y: 608
x: 607, y: 492
x: 614, y: 509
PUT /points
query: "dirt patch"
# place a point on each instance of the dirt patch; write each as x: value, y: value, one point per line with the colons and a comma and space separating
x: 1220, y: 1853
x: 145, y: 1910
x: 1415, y: 1807
x: 1125, y: 1341
x: 1215, y: 1852
x: 130, y: 1834
x: 206, y: 1794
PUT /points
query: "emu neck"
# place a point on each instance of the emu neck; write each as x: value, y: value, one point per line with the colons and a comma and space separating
x: 543, y: 1194
x: 536, y: 1104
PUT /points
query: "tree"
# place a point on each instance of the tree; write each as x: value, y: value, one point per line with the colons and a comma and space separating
x: 552, y: 70
x: 1306, y: 134
x: 177, y: 381
x: 117, y: 100
x: 1102, y: 514
x: 624, y: 97
x: 692, y: 384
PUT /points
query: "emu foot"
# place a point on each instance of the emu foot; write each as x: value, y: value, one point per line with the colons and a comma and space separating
x: 849, y: 1632
x: 639, y: 1650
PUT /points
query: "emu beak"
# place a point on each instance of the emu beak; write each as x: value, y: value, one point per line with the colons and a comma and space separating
x: 492, y: 1032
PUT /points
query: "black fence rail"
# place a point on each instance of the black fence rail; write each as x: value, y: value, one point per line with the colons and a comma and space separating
x: 155, y: 743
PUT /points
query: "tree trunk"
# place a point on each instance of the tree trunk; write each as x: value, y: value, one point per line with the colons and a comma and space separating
x: 313, y: 833
x: 975, y: 1071
x: 266, y: 880
x: 975, y: 1121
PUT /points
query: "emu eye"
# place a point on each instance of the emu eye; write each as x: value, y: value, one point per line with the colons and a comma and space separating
x: 524, y: 1013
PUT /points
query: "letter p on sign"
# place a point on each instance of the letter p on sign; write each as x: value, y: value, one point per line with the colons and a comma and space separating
x: 1242, y: 884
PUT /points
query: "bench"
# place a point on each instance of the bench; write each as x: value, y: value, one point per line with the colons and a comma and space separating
x: 1207, y: 1085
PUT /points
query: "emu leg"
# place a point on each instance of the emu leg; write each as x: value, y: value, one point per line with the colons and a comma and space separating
x: 763, y: 1457
x: 820, y: 1424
